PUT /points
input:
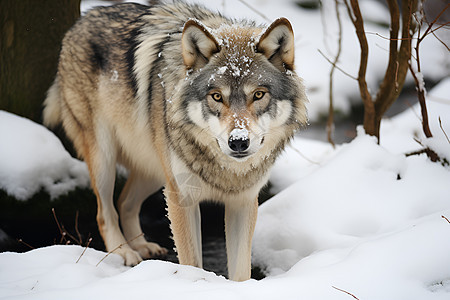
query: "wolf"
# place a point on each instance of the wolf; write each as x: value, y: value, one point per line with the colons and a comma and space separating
x: 184, y: 98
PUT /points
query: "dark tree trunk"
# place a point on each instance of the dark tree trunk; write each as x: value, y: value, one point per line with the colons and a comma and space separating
x: 31, y: 33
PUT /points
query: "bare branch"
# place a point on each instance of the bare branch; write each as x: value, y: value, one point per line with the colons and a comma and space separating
x: 430, y: 25
x: 63, y: 234
x: 255, y: 10
x: 422, y: 102
x: 440, y: 124
x: 442, y: 42
x: 85, y: 248
x: 419, y: 81
x: 80, y: 240
x: 303, y: 156
x: 386, y: 38
x: 118, y: 247
x: 341, y: 290
x: 369, y: 106
x: 444, y: 217
x: 336, y: 66
x: 26, y: 244
x: 330, y: 122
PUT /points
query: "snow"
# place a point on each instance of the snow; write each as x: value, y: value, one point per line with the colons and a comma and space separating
x: 32, y: 158
x: 360, y: 218
x: 239, y: 134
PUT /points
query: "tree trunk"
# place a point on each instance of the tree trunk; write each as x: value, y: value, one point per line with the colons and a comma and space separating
x: 31, y: 34
x: 398, y: 64
x: 397, y: 68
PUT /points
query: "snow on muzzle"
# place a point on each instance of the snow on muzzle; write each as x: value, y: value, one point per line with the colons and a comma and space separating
x: 239, y: 142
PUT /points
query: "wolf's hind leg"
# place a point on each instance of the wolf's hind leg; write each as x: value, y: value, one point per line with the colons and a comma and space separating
x: 100, y: 155
x: 135, y: 191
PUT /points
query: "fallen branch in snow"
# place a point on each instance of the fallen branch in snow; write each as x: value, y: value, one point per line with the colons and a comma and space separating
x: 444, y: 217
x: 430, y: 153
x: 433, y: 156
x: 85, y: 248
x: 341, y: 290
x: 118, y: 247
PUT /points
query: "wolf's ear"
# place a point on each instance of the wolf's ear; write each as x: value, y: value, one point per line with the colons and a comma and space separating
x: 198, y: 44
x: 277, y: 44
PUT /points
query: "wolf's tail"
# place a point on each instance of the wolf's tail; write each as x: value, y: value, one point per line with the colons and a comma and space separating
x: 52, y: 106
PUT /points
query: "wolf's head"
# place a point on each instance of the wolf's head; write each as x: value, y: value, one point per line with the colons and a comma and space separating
x: 241, y: 86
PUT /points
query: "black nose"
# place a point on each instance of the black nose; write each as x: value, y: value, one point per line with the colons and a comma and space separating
x: 238, y: 145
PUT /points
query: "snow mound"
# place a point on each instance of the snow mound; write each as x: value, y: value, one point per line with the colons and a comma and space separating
x: 362, y: 193
x: 32, y: 158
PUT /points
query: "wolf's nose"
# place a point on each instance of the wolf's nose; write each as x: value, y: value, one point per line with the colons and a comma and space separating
x: 238, y: 145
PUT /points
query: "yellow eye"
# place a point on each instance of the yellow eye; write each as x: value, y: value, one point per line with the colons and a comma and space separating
x: 217, y: 97
x: 258, y: 95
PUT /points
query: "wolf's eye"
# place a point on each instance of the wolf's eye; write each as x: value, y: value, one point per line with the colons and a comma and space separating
x: 258, y: 95
x: 217, y: 97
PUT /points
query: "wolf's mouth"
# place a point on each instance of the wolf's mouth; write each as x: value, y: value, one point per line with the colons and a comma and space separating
x: 239, y: 154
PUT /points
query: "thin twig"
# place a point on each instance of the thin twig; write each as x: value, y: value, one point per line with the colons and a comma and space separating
x: 255, y: 10
x: 422, y: 101
x: 85, y: 248
x: 432, y: 155
x: 419, y: 85
x: 341, y: 290
x: 336, y: 66
x: 26, y: 244
x: 418, y: 152
x: 330, y: 122
x: 442, y: 42
x: 67, y: 233
x: 389, y: 39
x: 123, y: 244
x: 324, y: 27
x: 80, y: 240
x: 442, y: 128
x: 430, y: 25
x: 63, y: 234
x: 303, y: 156
x: 444, y: 217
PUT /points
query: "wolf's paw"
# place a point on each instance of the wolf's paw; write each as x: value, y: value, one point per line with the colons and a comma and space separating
x: 131, y: 257
x: 148, y: 249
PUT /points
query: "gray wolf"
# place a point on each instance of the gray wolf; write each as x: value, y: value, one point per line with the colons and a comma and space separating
x: 175, y: 92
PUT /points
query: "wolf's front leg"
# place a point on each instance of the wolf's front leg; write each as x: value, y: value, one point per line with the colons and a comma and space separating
x: 240, y: 223
x: 185, y: 223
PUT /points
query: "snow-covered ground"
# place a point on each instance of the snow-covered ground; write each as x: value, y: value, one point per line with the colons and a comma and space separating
x: 32, y: 158
x: 362, y: 218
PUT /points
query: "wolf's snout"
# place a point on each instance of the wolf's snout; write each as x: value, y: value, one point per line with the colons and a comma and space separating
x: 239, y: 140
x: 238, y: 145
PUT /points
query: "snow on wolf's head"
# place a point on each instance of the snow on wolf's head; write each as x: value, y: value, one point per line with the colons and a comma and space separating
x: 242, y: 88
